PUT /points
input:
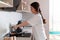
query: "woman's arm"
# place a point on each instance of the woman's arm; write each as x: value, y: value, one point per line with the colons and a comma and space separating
x: 21, y: 25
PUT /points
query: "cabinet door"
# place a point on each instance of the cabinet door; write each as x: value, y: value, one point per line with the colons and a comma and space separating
x: 23, y: 38
x: 6, y: 3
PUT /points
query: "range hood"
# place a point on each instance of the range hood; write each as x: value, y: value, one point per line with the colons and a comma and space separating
x: 6, y: 3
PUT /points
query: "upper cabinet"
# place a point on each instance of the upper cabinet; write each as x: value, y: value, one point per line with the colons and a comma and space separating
x: 15, y: 5
x: 6, y: 3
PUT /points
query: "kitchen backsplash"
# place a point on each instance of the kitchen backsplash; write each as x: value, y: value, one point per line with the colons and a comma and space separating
x: 7, y: 18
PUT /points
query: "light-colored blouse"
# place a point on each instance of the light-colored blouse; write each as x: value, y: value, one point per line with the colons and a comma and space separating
x: 37, y: 27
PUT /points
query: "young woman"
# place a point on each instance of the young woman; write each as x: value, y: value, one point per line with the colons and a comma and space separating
x: 36, y: 21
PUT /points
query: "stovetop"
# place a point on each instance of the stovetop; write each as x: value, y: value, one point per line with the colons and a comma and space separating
x: 23, y: 34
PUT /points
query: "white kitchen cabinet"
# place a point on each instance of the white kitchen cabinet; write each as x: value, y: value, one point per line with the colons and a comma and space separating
x: 23, y: 38
x: 6, y: 3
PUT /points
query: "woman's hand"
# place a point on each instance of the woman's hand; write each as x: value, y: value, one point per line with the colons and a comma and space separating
x: 21, y: 25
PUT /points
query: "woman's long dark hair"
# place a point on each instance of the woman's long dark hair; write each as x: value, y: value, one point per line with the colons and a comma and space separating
x: 35, y: 5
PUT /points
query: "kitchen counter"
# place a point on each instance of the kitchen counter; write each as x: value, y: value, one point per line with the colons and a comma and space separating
x: 25, y: 35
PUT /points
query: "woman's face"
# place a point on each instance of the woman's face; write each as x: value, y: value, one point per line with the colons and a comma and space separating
x: 33, y: 10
